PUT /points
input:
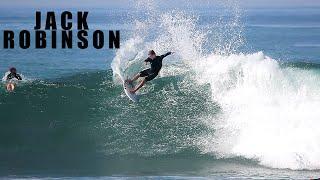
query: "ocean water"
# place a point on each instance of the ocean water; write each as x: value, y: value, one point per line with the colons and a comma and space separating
x: 239, y: 98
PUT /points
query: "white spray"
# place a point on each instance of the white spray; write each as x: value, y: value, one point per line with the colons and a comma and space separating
x: 267, y: 113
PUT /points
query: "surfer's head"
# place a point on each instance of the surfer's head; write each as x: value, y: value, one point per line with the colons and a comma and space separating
x: 152, y: 54
x: 13, y: 70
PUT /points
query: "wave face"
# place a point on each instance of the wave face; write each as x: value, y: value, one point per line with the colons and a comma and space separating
x: 264, y: 111
x: 85, y: 125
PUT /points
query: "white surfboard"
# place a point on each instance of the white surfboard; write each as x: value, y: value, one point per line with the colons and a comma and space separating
x: 10, y: 87
x: 132, y: 96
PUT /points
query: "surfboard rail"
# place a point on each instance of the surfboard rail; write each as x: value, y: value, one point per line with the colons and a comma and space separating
x: 127, y: 87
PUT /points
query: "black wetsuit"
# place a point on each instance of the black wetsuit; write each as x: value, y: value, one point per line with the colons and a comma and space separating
x: 156, y: 65
x: 14, y: 75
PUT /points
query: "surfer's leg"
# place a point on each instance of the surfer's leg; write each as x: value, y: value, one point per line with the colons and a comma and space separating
x: 140, y: 85
x: 135, y: 77
x: 148, y: 78
x: 143, y: 73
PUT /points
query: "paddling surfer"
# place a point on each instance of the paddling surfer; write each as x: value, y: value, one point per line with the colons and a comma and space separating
x: 11, y: 78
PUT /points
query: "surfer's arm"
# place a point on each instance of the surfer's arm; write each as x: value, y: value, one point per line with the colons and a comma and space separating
x: 18, y: 77
x: 8, y: 77
x: 166, y: 54
x: 147, y: 60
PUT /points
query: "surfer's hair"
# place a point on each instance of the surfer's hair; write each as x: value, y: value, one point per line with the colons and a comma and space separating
x: 12, y: 69
x: 151, y: 52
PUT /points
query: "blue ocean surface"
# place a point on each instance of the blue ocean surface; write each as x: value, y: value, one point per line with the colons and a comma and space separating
x: 239, y: 98
x: 287, y: 35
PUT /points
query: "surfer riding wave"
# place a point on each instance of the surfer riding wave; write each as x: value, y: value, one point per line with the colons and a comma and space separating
x: 150, y: 73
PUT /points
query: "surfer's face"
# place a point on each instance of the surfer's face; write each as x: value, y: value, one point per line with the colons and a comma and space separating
x: 152, y: 56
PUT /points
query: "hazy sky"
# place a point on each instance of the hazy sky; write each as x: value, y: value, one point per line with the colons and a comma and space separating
x: 173, y: 3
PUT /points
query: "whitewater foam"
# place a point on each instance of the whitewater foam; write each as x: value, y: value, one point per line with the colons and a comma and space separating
x: 24, y: 79
x: 269, y: 113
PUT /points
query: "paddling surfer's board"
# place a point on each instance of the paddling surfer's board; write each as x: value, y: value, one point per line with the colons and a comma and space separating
x: 126, y: 87
x: 10, y: 87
